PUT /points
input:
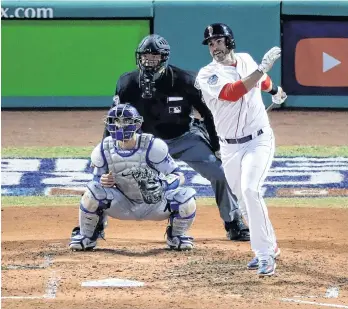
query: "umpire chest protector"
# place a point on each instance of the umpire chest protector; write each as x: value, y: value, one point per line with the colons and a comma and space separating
x: 120, y: 162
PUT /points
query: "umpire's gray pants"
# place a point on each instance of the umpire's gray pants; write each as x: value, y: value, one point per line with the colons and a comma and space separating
x: 194, y: 149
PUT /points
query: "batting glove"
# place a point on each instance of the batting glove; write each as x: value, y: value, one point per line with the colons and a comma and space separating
x: 279, y: 97
x: 268, y: 59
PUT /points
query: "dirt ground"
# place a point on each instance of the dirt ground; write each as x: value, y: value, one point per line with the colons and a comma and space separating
x: 41, y: 272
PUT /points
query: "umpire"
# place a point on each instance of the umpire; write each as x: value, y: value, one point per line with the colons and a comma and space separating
x: 165, y: 96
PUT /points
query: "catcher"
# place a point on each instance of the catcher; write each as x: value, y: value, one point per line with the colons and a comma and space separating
x: 134, y: 179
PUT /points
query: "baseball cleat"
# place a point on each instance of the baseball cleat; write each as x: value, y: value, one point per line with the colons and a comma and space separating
x: 101, y: 232
x: 267, y: 267
x: 241, y: 235
x: 237, y: 231
x: 254, y: 263
x: 180, y: 243
x: 82, y: 243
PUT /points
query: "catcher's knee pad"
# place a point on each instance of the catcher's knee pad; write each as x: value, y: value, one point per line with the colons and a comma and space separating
x: 183, y: 203
x: 187, y: 209
x: 96, y: 197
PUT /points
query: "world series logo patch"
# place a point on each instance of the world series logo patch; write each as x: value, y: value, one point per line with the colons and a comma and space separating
x: 213, y: 79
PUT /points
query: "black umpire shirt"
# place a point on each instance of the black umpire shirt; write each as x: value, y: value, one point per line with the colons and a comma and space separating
x: 167, y: 114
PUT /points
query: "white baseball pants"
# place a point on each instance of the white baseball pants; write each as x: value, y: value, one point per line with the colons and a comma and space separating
x: 246, y: 166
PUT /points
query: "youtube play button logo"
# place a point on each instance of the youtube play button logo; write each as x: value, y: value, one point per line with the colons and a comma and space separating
x: 322, y: 62
x: 329, y: 62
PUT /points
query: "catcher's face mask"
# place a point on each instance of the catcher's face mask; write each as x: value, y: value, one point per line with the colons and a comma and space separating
x: 123, y: 121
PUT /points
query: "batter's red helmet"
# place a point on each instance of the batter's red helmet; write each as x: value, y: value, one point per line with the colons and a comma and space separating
x: 219, y: 30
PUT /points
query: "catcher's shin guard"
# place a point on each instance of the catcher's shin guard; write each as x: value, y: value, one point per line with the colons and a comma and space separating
x: 180, y: 221
x: 91, y: 217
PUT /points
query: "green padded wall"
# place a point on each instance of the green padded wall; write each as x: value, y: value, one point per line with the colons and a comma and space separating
x: 67, y: 57
x: 42, y: 59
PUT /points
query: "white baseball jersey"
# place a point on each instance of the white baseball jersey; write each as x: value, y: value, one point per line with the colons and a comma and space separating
x: 232, y: 119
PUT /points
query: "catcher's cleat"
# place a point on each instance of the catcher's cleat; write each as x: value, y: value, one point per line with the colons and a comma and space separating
x: 75, y: 231
x: 254, y: 263
x: 101, y: 232
x: 237, y: 231
x: 179, y: 243
x: 82, y: 243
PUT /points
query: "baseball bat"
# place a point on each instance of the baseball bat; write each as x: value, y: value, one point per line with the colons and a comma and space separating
x: 269, y: 108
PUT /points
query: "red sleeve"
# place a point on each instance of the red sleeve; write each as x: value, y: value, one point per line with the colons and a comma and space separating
x: 233, y: 91
x: 266, y: 84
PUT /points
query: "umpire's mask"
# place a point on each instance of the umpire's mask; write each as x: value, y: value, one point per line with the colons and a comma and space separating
x: 152, y: 57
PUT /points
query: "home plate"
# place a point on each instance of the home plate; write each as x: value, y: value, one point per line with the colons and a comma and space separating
x: 112, y: 282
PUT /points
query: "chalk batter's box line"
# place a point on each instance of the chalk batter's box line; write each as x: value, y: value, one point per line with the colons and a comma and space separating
x: 52, y: 284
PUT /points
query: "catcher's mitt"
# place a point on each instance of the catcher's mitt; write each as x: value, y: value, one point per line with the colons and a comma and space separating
x: 149, y: 184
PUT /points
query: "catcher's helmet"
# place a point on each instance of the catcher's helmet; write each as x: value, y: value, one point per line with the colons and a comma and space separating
x: 122, y: 121
x: 219, y: 30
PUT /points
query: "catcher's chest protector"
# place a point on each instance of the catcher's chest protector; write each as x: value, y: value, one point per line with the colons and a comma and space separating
x: 120, y: 164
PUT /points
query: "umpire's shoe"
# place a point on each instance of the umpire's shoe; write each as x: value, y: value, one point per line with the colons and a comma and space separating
x: 237, y: 230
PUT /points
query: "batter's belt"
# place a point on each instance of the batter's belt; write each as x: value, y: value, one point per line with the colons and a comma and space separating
x: 241, y: 140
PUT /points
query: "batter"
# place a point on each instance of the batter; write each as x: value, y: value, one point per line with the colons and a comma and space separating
x: 231, y: 86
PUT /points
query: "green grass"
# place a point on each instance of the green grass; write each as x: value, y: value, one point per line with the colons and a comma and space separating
x: 47, y: 152
x: 7, y: 201
x: 84, y: 152
x: 315, y: 151
x: 42, y: 201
